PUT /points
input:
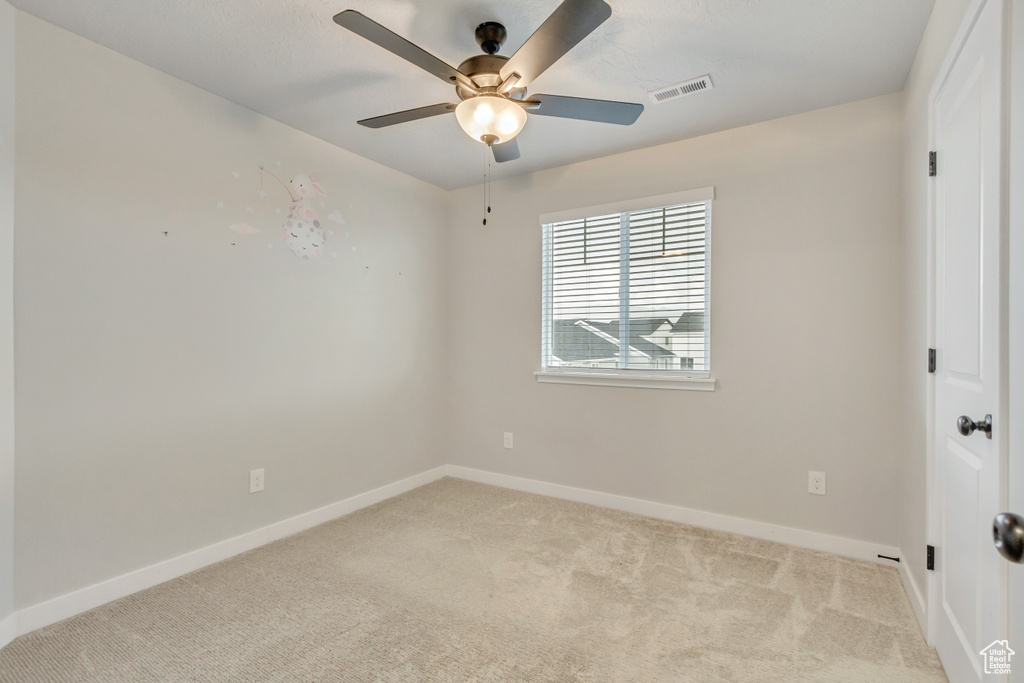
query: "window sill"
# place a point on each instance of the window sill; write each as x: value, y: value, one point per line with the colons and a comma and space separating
x: 624, y: 379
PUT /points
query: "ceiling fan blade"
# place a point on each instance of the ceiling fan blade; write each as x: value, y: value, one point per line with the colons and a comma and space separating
x: 506, y: 151
x: 571, y: 22
x: 407, y: 115
x: 396, y: 44
x: 603, y: 111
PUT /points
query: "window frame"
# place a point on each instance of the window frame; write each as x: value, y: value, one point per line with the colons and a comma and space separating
x: 644, y: 378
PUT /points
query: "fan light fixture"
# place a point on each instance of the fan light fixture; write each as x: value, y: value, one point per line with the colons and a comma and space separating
x: 491, y: 119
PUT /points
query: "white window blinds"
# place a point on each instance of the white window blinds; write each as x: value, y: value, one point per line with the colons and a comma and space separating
x: 628, y: 290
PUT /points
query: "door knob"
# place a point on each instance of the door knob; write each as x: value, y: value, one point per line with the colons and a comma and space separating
x: 1008, y: 536
x: 966, y: 426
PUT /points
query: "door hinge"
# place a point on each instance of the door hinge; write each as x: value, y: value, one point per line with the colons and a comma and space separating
x: 931, y: 360
x: 931, y: 558
x: 933, y: 166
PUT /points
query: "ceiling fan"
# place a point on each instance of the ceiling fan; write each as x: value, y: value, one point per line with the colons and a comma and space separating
x: 491, y: 87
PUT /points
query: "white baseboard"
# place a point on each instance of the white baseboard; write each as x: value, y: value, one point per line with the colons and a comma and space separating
x: 76, y: 602
x: 837, y: 545
x: 8, y: 629
x: 917, y: 600
x: 70, y: 604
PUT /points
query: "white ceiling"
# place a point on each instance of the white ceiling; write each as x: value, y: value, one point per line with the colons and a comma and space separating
x: 291, y: 62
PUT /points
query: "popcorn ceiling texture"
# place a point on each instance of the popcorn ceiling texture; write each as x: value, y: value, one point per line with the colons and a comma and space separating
x: 458, y: 581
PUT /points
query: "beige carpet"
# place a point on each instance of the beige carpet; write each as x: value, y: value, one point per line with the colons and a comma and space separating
x: 457, y: 581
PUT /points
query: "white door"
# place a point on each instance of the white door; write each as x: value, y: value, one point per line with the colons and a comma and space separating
x: 968, y: 592
x: 1015, y: 354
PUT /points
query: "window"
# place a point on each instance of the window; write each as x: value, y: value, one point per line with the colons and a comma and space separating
x: 626, y: 292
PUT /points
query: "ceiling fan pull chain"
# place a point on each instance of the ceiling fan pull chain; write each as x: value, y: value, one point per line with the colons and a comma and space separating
x: 487, y: 182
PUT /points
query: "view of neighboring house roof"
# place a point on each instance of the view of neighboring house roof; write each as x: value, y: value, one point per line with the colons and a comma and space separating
x: 691, y: 321
x: 636, y: 341
x: 572, y: 342
x: 590, y: 340
x: 644, y: 327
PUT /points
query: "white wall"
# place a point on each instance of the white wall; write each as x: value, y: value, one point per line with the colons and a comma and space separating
x: 806, y: 307
x: 161, y: 356
x: 913, y: 378
x: 7, y: 23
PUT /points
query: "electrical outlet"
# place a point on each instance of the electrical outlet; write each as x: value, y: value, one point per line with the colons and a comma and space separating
x: 508, y: 440
x: 256, y: 480
x: 816, y: 483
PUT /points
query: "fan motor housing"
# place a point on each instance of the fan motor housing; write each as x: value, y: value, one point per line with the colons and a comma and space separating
x: 484, y: 71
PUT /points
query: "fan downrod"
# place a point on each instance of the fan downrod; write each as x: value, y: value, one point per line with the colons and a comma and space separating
x: 490, y: 36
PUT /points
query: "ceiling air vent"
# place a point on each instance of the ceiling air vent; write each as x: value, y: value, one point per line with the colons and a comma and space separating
x: 674, y: 92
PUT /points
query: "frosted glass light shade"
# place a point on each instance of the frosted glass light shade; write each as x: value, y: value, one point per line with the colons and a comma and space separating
x: 490, y: 115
